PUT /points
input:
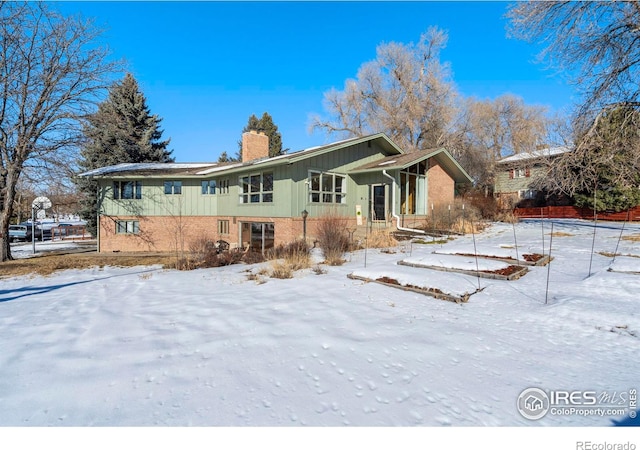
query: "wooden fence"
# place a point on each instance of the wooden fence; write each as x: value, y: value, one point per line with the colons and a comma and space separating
x: 573, y: 212
x: 73, y: 232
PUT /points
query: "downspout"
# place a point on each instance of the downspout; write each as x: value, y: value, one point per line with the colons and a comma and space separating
x: 98, y: 207
x: 393, y: 205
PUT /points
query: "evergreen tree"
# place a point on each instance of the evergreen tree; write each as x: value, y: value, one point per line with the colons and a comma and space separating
x: 123, y: 130
x: 225, y: 158
x: 603, y: 170
x: 610, y: 154
x: 266, y: 125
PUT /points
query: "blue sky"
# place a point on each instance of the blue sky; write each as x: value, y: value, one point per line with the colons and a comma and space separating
x: 205, y: 67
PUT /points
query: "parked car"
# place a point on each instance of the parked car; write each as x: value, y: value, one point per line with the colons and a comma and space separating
x: 45, y: 229
x: 22, y: 232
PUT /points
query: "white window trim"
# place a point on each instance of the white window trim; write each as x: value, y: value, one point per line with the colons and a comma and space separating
x: 321, y: 193
x: 210, y: 187
x: 245, y: 197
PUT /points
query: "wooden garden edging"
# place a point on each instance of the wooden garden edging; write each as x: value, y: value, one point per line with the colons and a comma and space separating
x: 432, y: 292
x: 516, y: 273
x: 542, y: 261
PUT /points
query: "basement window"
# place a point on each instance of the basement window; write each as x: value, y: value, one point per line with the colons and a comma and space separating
x: 127, y: 226
x: 223, y: 227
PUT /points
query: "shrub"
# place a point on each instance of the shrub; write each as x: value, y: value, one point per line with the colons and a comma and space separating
x: 200, y: 247
x: 454, y: 219
x: 319, y: 270
x: 250, y: 257
x: 486, y: 206
x: 235, y: 256
x: 281, y: 270
x: 292, y: 256
x: 293, y: 249
x: 381, y: 239
x: 507, y: 217
x: 333, y: 238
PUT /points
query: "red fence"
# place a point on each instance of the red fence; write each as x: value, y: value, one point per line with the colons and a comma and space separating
x: 572, y: 212
x: 74, y: 232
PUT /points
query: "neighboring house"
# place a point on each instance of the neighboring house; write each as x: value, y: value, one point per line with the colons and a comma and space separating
x: 259, y: 202
x: 517, y: 177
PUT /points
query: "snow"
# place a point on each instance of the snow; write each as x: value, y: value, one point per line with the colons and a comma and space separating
x: 546, y: 152
x: 145, y: 346
x: 21, y: 250
x: 124, y: 167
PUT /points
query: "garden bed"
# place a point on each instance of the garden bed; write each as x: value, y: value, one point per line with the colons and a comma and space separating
x: 508, y: 273
x: 432, y: 292
x: 528, y: 259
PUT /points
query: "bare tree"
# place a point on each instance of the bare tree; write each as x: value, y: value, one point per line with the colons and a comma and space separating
x: 488, y: 130
x: 595, y: 44
x: 51, y: 71
x: 603, y: 169
x: 406, y: 92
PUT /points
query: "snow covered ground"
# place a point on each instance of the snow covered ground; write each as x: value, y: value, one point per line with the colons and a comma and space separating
x: 145, y: 346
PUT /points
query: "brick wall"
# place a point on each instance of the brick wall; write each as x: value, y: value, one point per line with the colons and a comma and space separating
x: 166, y: 234
x: 254, y: 146
x: 441, y: 187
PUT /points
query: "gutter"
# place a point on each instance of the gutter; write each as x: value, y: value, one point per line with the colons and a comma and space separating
x: 393, y: 205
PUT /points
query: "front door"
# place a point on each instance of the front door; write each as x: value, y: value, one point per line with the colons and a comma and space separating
x: 378, y: 202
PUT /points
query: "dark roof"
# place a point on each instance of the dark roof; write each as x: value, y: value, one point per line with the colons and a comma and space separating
x: 403, y: 161
x: 203, y: 169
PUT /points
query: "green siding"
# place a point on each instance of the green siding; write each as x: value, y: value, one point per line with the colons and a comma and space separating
x: 504, y: 184
x: 155, y: 202
x: 290, y: 194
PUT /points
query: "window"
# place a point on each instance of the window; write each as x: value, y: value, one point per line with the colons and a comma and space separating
x: 208, y: 187
x: 223, y: 186
x: 257, y: 188
x: 527, y: 194
x: 127, y: 226
x: 223, y: 227
x: 519, y: 173
x: 173, y: 187
x: 127, y: 190
x: 325, y: 187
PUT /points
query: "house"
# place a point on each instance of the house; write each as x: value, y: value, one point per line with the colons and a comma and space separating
x: 517, y: 177
x: 259, y: 202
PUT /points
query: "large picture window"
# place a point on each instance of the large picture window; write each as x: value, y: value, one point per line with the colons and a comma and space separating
x: 326, y: 187
x: 127, y: 190
x: 257, y: 188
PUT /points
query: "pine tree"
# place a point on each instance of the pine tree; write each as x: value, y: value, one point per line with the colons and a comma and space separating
x: 266, y: 125
x: 225, y: 158
x: 123, y: 130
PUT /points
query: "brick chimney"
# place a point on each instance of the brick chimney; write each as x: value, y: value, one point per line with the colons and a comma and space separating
x: 255, y: 145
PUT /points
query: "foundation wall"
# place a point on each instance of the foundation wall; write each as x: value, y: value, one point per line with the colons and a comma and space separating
x: 170, y: 234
